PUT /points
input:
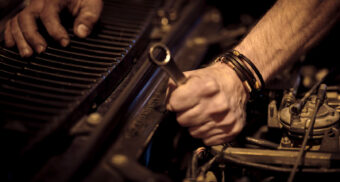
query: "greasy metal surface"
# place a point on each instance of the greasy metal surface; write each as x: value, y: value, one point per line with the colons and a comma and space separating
x: 281, y: 157
x: 144, y: 116
x: 43, y: 96
x: 326, y: 118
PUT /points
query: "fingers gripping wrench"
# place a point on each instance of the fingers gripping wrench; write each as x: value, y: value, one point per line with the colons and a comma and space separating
x: 160, y: 54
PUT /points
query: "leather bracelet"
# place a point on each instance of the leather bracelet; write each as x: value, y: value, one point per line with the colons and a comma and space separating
x: 258, y: 74
x: 242, y: 77
x: 244, y: 69
x: 238, y: 62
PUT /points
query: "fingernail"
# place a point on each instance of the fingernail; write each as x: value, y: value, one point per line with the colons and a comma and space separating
x: 40, y: 49
x: 83, y: 30
x: 25, y: 52
x: 64, y: 42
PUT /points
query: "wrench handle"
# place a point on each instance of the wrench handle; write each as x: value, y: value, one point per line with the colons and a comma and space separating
x: 160, y: 55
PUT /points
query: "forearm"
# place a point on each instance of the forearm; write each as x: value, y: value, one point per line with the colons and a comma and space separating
x: 287, y: 30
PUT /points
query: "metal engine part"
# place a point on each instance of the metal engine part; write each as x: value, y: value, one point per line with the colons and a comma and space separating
x: 327, y: 117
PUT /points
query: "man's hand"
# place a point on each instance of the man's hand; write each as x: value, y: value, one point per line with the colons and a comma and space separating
x: 22, y: 30
x: 211, y: 103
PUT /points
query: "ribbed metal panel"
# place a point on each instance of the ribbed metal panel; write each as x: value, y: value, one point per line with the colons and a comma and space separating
x: 38, y: 94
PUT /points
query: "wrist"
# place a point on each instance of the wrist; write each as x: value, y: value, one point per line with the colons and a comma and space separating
x: 246, y: 72
x: 229, y: 79
x: 257, y: 60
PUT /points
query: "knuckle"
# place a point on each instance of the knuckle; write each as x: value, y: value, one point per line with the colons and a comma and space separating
x: 15, y: 30
x: 11, y: 22
x: 23, y: 13
x: 7, y: 29
x: 169, y: 107
x: 54, y: 33
x: 195, y: 134
x: 210, y: 86
x: 186, y: 117
x: 44, y: 15
x: 49, y: 8
x: 8, y: 25
x: 230, y: 120
x: 29, y: 36
x: 8, y: 22
x: 224, y: 106
x: 48, y: 16
x: 35, y: 6
x: 207, y: 142
x: 221, y: 105
x: 89, y: 15
x: 174, y: 103
x: 224, y: 140
x: 171, y: 104
x: 9, y: 41
x: 21, y: 16
x: 182, y: 122
x: 207, y: 126
x: 88, y: 18
x: 239, y: 126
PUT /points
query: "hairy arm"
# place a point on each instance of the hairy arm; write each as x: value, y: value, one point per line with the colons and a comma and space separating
x: 286, y: 31
x: 212, y: 102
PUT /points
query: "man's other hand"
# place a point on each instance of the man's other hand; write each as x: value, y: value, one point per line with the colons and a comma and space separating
x: 23, y: 32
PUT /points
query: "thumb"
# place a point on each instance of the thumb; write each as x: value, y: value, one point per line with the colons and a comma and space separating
x: 89, y: 13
